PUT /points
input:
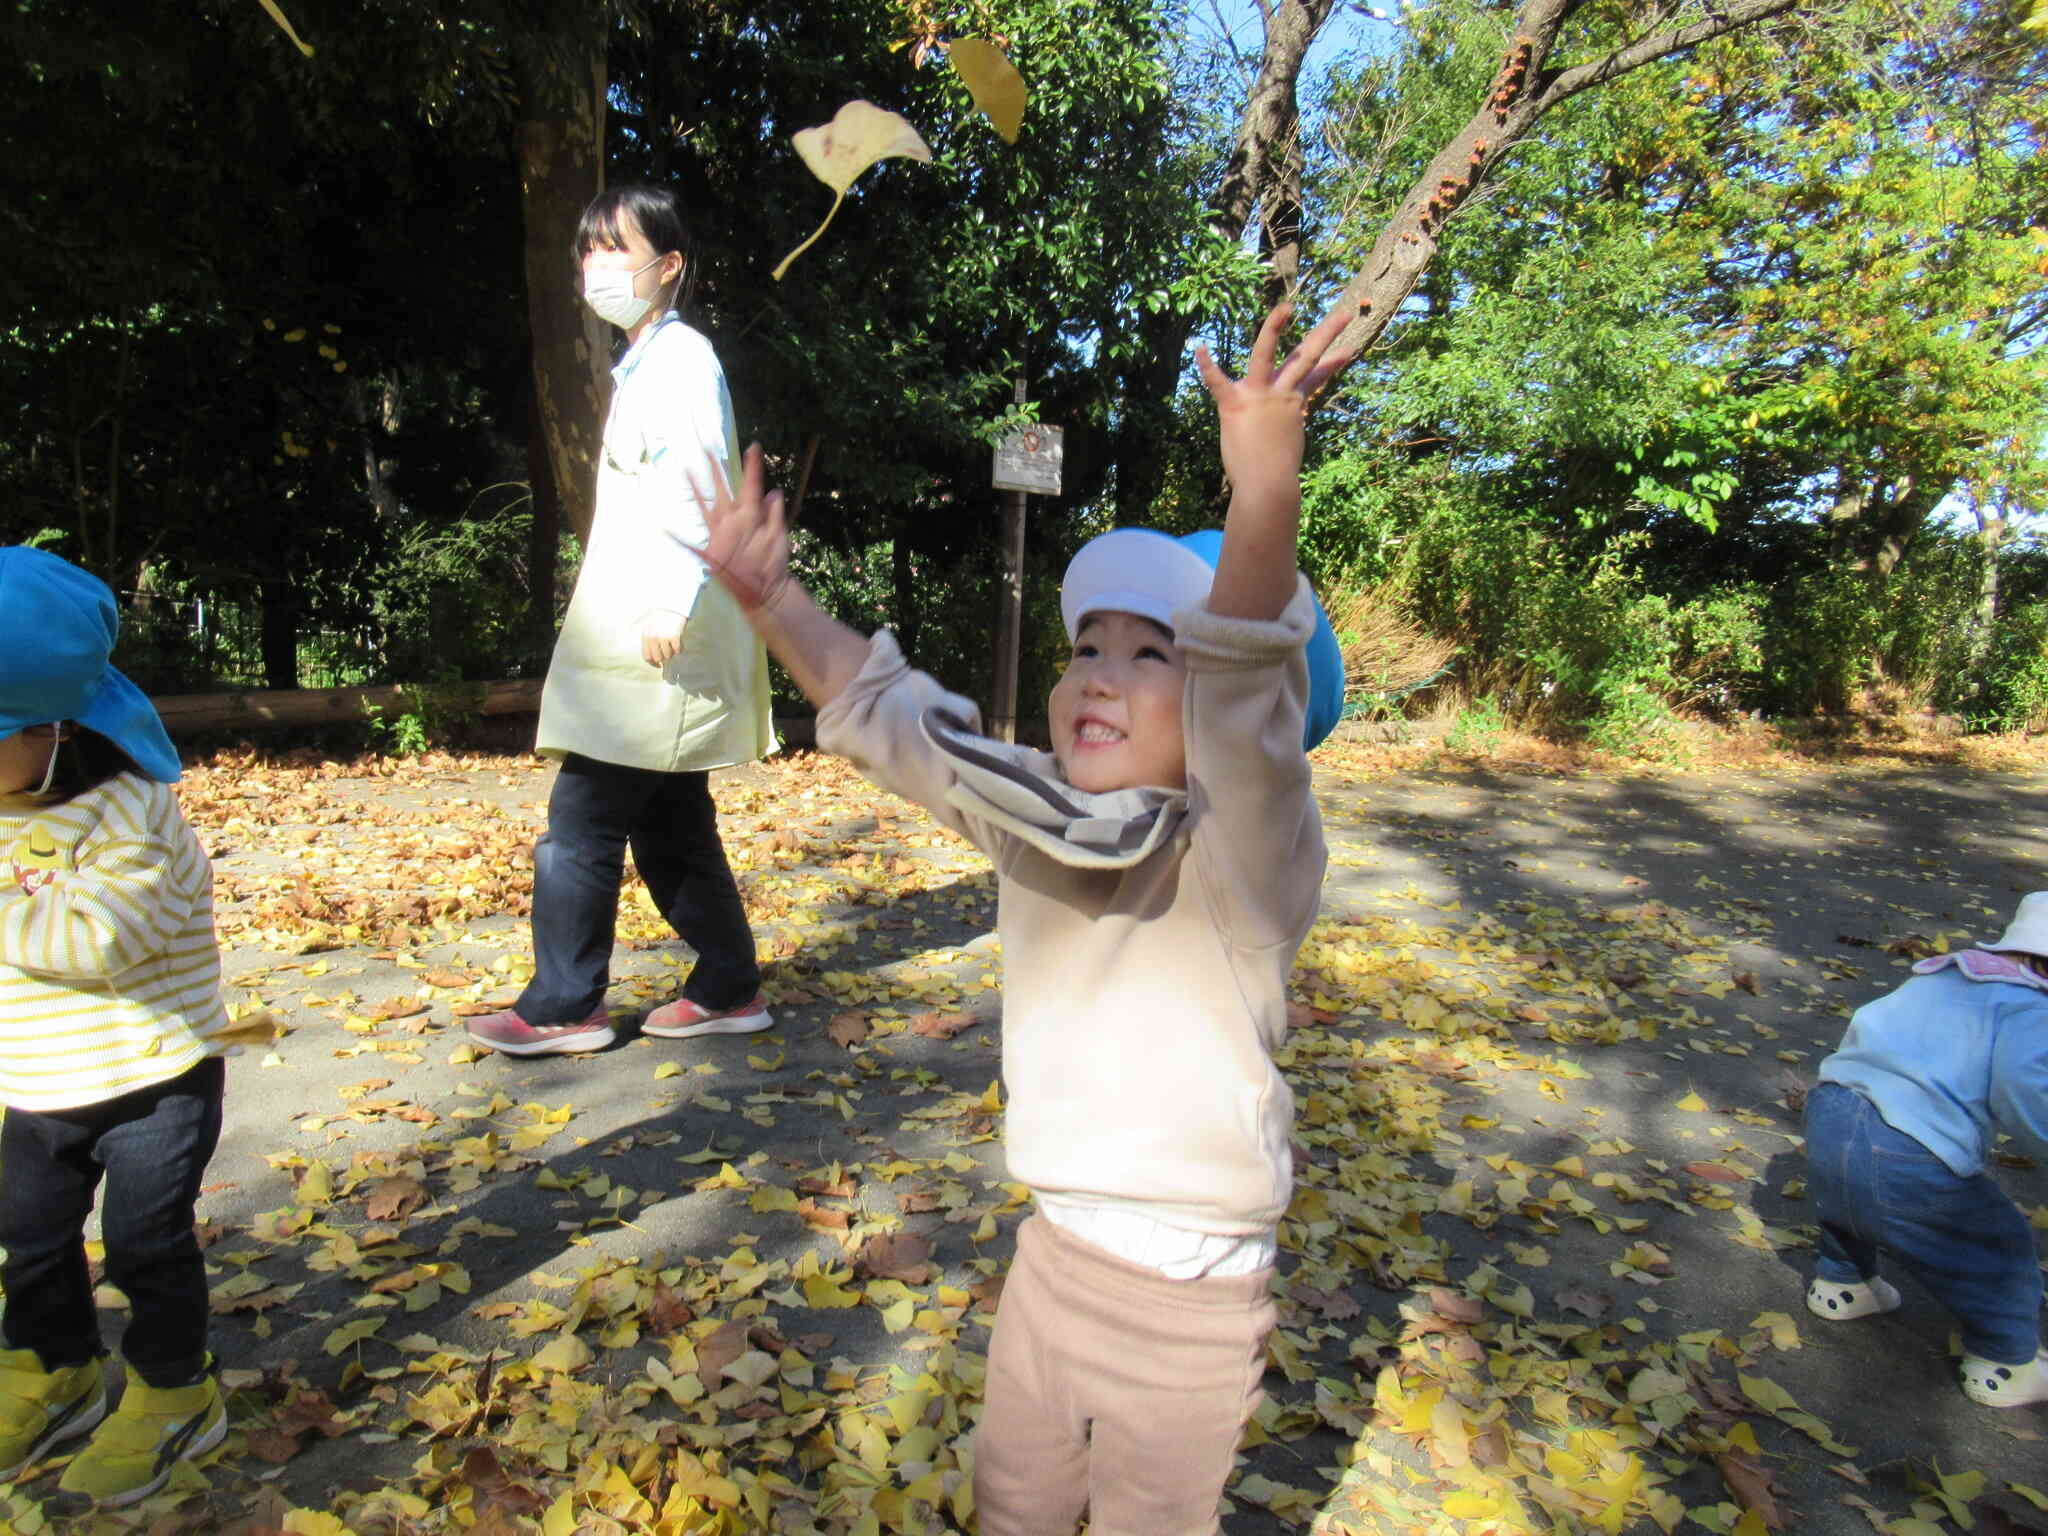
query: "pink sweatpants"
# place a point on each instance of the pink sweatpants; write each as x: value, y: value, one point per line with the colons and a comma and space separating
x: 1114, y: 1389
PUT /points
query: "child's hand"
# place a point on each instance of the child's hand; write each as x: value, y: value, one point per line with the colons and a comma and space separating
x: 1260, y: 416
x: 748, y: 544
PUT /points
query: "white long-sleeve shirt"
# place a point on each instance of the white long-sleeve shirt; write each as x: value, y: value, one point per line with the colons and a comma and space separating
x: 708, y: 707
x: 109, y: 968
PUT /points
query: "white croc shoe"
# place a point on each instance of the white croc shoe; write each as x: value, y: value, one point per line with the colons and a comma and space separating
x: 2005, y: 1386
x: 1841, y: 1303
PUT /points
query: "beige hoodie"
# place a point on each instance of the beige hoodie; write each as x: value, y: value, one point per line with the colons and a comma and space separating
x: 1145, y: 970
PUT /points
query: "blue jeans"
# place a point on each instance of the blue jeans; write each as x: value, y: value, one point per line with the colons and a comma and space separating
x: 1877, y: 1188
x: 152, y: 1147
x: 595, y: 812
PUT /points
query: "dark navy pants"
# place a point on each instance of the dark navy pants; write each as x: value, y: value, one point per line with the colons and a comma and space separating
x: 151, y: 1146
x: 1877, y: 1188
x: 597, y: 811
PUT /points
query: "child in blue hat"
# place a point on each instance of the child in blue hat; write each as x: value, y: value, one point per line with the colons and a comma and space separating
x: 111, y: 1029
x: 1158, y: 870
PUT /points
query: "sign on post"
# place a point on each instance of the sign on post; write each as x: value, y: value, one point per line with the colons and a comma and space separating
x: 1029, y: 460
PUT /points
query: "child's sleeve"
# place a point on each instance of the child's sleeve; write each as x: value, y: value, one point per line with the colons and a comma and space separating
x: 876, y: 723
x: 122, y: 899
x: 2019, y: 1078
x: 1258, y: 838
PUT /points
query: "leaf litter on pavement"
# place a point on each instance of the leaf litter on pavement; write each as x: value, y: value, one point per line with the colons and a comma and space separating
x: 1471, y: 1262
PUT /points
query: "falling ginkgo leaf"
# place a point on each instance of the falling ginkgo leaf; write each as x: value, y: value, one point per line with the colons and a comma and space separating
x: 277, y: 16
x: 993, y: 82
x: 859, y: 134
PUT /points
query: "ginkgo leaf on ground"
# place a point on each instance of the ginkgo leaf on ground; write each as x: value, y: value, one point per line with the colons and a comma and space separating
x: 859, y: 135
x: 993, y: 82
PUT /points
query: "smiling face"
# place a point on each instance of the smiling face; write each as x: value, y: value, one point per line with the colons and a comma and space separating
x: 1116, y: 710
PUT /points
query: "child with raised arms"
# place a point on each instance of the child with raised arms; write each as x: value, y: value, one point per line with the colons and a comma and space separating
x: 1157, y: 872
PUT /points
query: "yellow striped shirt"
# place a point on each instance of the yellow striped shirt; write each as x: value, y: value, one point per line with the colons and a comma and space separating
x: 109, y: 970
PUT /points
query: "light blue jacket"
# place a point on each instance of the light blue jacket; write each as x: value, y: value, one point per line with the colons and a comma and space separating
x: 1951, y: 1060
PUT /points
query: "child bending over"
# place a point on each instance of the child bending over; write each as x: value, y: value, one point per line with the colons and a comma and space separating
x: 1157, y: 872
x: 1898, y: 1134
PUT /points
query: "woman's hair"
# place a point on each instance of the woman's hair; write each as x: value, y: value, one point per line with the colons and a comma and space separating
x: 654, y: 209
x: 85, y: 760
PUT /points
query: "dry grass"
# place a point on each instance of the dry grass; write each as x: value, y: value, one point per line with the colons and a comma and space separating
x: 1385, y: 651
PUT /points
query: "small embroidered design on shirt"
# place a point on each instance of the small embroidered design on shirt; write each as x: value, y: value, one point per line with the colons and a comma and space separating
x: 37, y: 858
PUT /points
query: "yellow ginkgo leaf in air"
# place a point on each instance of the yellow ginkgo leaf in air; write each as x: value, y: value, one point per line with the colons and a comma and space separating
x: 859, y: 134
x: 277, y: 16
x: 993, y: 82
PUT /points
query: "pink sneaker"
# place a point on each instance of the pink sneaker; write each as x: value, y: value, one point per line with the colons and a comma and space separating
x: 511, y: 1034
x: 682, y: 1019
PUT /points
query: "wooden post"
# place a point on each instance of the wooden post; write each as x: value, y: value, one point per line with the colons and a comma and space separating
x: 1010, y: 615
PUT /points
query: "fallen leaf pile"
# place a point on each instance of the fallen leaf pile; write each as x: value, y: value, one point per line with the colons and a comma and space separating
x: 1473, y: 1334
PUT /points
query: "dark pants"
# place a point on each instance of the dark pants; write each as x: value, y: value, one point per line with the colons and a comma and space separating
x: 596, y: 811
x: 152, y: 1146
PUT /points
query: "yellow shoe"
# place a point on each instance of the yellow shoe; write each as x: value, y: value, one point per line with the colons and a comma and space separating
x: 131, y: 1455
x: 40, y: 1409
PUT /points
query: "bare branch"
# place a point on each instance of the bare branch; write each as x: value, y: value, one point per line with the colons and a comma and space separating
x: 1648, y: 50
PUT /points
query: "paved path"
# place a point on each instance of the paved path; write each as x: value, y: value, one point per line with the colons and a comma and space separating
x: 1549, y: 1188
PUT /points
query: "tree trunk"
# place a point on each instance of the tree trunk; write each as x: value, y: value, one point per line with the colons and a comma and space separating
x: 543, y: 540
x: 1873, y: 523
x: 280, y: 636
x: 1845, y: 516
x: 561, y: 167
x: 1903, y: 513
x: 1263, y: 175
x: 1265, y: 167
x: 1991, y: 531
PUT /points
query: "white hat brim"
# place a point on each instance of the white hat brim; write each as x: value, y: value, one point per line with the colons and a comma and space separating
x: 1133, y: 570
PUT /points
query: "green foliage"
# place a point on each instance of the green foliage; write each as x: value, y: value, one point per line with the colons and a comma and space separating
x: 427, y: 717
x: 401, y: 736
x: 1795, y: 275
x: 449, y: 600
x: 2012, y: 693
x: 1355, y: 508
x: 1478, y: 728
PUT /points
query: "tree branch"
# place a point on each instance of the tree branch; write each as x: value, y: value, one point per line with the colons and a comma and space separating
x: 1570, y: 82
x: 1522, y: 91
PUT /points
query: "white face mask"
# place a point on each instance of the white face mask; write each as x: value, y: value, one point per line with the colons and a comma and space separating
x: 609, y: 293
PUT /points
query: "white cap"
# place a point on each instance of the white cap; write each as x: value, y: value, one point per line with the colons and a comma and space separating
x: 2028, y: 931
x: 1133, y: 570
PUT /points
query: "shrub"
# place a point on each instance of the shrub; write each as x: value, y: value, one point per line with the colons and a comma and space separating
x: 2012, y: 692
x: 1478, y: 728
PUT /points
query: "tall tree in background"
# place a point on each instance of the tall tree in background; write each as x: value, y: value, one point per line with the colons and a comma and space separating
x: 561, y: 80
x: 1792, y: 266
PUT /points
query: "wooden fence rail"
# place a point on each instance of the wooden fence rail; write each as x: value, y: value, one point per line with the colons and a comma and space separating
x: 263, y: 709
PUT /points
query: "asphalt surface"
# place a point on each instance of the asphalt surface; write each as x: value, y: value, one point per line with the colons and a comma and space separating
x: 1547, y: 1008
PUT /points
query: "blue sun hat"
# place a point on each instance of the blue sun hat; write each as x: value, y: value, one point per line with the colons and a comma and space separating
x: 1155, y: 575
x: 57, y: 629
